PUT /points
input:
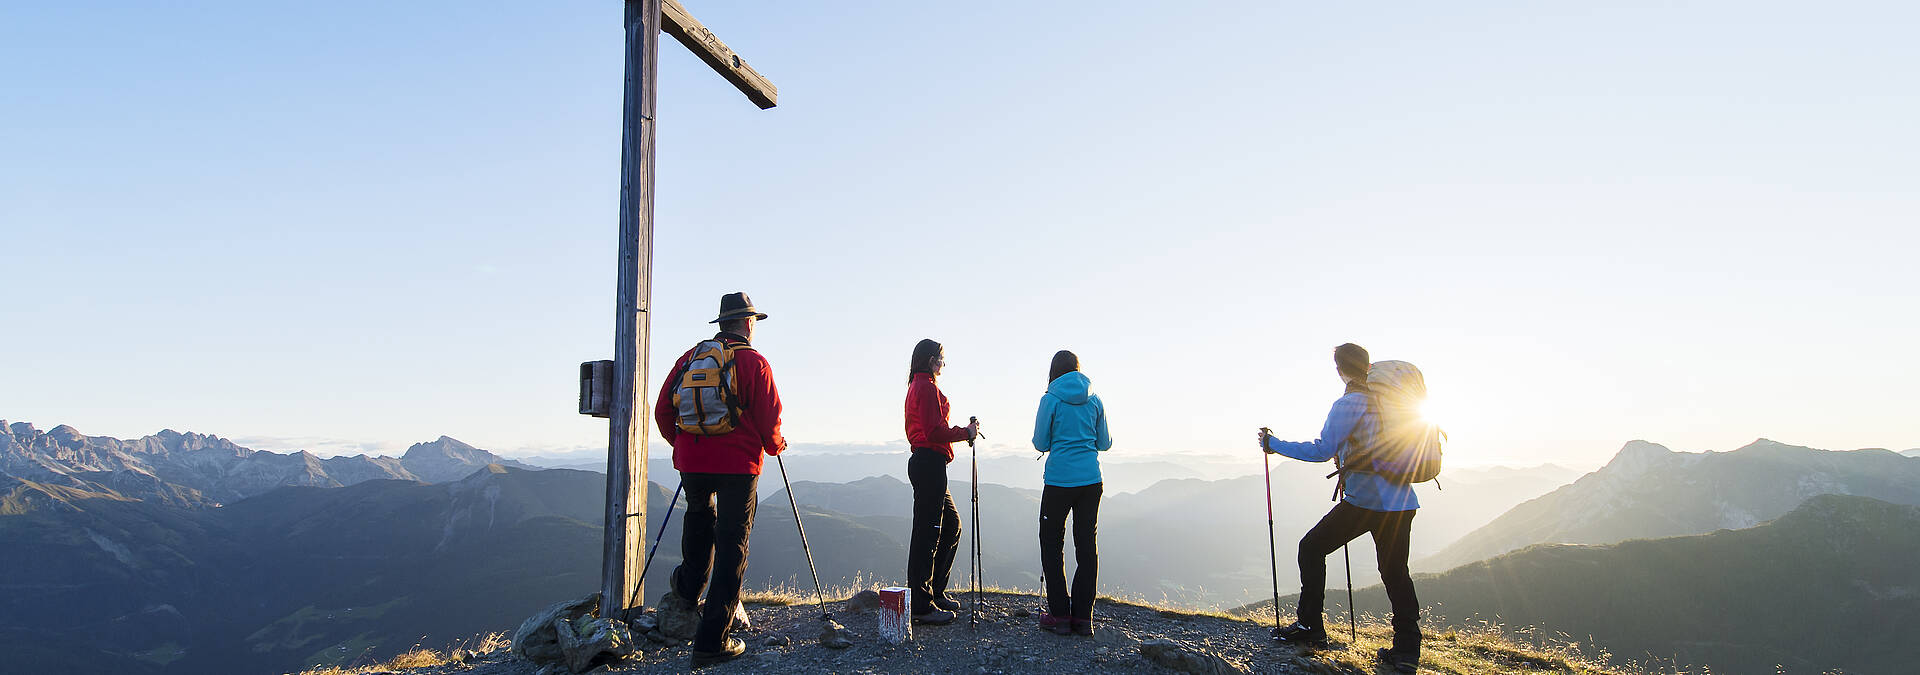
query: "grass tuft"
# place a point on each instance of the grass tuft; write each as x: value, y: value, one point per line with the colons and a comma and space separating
x: 421, y: 657
x: 792, y: 593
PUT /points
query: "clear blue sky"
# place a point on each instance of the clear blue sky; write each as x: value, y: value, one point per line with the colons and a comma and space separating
x: 364, y: 224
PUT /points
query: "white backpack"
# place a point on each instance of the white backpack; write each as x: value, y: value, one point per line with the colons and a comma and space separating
x: 1408, y: 447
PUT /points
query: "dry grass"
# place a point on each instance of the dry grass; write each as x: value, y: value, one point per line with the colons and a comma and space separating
x: 791, y: 593
x: 420, y: 657
x: 1456, y: 651
x: 1484, y: 648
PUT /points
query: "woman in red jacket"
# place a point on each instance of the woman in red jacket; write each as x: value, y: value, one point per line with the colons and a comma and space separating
x: 936, y: 523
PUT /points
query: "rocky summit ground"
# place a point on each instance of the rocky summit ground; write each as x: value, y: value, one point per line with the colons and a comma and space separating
x: 1129, y: 638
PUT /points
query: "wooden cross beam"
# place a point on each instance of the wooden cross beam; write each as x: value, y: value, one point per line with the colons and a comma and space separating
x: 676, y: 21
x: 629, y: 415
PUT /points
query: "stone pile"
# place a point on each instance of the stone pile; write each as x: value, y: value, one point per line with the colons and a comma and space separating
x: 570, y: 637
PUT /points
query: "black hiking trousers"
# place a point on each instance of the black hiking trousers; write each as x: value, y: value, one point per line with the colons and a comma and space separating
x: 1392, y: 532
x: 1084, y: 504
x: 936, y: 529
x: 713, y: 538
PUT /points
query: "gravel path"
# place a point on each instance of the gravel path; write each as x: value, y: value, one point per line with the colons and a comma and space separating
x: 785, y: 639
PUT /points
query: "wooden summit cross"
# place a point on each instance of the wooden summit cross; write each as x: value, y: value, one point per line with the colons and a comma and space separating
x: 628, y: 412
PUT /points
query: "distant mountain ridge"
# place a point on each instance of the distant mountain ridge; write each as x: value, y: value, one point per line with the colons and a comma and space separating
x: 829, y: 464
x: 191, y: 469
x: 444, y: 459
x: 1188, y: 541
x: 1650, y: 491
x: 99, y: 583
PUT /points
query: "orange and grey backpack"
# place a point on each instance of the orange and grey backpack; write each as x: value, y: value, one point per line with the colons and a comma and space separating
x: 707, y: 397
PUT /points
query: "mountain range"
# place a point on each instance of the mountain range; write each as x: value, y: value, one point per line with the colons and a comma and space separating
x: 1648, y: 491
x: 1830, y: 586
x: 262, y: 561
x: 1188, y: 542
x: 832, y: 464
x: 98, y: 582
x: 191, y: 469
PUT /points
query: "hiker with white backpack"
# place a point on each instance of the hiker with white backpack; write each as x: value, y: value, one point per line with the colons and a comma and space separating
x: 1380, y: 447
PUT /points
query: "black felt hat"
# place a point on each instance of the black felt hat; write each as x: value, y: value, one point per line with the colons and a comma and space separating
x: 737, y: 306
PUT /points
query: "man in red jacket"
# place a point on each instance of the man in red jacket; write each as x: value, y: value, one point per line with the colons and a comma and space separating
x: 720, y: 473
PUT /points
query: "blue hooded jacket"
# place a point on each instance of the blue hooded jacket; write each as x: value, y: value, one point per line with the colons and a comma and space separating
x: 1071, y: 428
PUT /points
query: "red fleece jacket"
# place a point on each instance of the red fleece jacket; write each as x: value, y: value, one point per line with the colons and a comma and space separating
x: 737, y: 451
x: 927, y: 417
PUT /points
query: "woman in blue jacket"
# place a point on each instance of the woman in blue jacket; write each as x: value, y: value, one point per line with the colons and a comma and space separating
x: 1071, y: 428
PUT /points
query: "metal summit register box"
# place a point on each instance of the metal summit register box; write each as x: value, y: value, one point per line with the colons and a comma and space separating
x: 596, y: 388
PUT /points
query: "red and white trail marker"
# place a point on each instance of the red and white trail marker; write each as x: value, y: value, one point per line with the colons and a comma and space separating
x: 896, y: 624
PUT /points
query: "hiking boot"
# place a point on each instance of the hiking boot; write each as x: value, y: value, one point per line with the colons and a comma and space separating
x: 946, y: 603
x: 938, y: 617
x: 1300, y: 634
x: 1400, y: 660
x: 679, y: 617
x: 1058, y: 625
x: 1083, y: 627
x: 733, y: 648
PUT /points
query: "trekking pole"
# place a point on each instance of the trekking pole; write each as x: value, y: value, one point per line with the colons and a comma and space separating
x: 1353, y: 624
x: 979, y: 564
x: 1273, y: 555
x: 818, y: 594
x: 656, y: 543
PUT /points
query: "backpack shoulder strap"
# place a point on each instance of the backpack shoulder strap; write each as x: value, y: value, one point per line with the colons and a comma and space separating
x: 730, y: 387
x: 1362, y: 458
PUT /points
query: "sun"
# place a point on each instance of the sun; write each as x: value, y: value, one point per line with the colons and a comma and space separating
x: 1434, y: 411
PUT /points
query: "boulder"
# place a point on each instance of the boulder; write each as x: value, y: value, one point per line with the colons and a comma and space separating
x: 864, y: 601
x: 834, y: 636
x: 536, y: 639
x: 584, y: 640
x: 645, y: 623
x: 1181, y: 658
x: 679, y: 617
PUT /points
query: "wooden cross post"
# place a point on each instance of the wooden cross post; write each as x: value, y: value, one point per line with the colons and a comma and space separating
x: 629, y: 415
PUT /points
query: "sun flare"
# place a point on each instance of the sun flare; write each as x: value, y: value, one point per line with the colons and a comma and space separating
x: 1434, y: 411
